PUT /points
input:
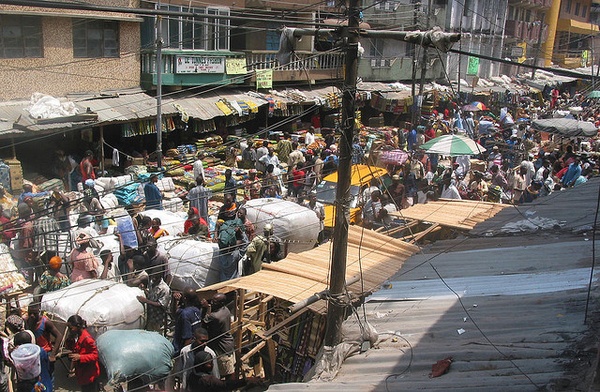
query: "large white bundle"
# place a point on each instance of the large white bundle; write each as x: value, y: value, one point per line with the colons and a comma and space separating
x: 191, y: 263
x: 109, y: 201
x: 104, y: 304
x: 172, y: 222
x: 123, y: 180
x: 10, y: 279
x: 107, y: 184
x: 166, y: 184
x: 297, y: 225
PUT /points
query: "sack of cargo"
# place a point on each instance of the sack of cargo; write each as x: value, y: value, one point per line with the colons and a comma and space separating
x: 94, y: 300
x: 136, y: 353
x: 191, y: 263
x: 294, y: 224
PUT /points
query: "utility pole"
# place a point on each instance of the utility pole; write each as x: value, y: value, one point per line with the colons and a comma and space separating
x: 423, y: 69
x: 159, y: 43
x: 414, y: 63
x: 337, y: 280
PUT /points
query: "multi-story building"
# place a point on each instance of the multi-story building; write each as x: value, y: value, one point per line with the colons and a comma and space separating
x: 571, y: 40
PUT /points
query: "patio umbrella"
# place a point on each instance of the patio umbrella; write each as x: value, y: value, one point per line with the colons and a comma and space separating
x: 566, y: 127
x: 470, y: 108
x: 478, y: 104
x: 452, y: 145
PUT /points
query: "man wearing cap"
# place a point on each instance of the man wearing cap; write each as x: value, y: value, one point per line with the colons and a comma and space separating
x: 86, y: 167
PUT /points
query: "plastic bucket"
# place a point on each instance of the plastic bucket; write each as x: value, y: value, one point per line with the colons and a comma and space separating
x: 26, y: 358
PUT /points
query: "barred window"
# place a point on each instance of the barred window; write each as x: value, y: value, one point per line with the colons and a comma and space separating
x: 21, y: 36
x: 95, y: 38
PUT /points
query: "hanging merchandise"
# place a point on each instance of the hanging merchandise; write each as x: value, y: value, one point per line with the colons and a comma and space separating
x: 146, y: 127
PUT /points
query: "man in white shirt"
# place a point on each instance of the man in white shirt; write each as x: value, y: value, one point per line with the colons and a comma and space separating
x: 309, y: 137
x: 449, y: 190
x: 198, y: 167
x: 185, y: 361
x: 261, y: 152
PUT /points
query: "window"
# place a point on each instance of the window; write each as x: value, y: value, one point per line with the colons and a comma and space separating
x: 95, y: 38
x: 577, y: 9
x: 21, y: 36
x: 584, y: 11
x: 197, y: 33
x: 377, y: 47
x: 568, y: 6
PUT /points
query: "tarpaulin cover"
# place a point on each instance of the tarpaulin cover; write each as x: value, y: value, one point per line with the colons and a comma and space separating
x: 567, y: 127
x: 135, y: 353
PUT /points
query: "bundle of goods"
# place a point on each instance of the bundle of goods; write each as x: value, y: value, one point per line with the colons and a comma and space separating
x: 10, y: 279
x: 138, y: 354
x: 128, y: 194
x: 191, y: 263
x: 172, y: 222
x: 296, y: 225
x: 211, y: 141
x: 94, y: 300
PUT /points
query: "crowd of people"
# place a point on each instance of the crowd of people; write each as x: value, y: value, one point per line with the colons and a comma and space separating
x: 517, y: 167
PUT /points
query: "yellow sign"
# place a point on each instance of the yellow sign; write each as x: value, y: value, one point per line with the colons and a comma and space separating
x: 235, y: 66
x: 585, y: 58
x: 264, y: 78
x: 524, y: 54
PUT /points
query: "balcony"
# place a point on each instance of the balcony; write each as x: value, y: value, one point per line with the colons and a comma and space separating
x: 188, y: 68
x: 513, y: 28
x: 378, y: 69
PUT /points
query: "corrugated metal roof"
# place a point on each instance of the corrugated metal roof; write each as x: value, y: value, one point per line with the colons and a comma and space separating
x: 203, y: 106
x: 299, y: 276
x: 122, y: 108
x: 519, y: 323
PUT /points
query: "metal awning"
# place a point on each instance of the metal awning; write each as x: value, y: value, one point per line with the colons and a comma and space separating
x: 116, y: 108
x: 372, y: 255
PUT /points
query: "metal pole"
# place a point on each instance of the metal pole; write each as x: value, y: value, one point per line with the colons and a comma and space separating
x: 337, y: 278
x: 414, y: 67
x: 101, y: 151
x: 159, y: 43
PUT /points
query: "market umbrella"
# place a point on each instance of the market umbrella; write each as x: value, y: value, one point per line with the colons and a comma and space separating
x: 594, y: 94
x: 479, y: 105
x: 452, y: 145
x: 566, y: 127
x: 393, y: 157
x: 470, y: 108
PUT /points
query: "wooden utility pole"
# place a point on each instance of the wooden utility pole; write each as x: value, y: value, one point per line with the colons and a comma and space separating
x: 337, y: 279
x: 158, y: 64
x: 423, y: 71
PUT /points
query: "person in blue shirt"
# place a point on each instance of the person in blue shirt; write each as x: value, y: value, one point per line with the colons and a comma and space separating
x: 28, y: 191
x: 411, y: 139
x: 153, y: 194
x: 572, y: 173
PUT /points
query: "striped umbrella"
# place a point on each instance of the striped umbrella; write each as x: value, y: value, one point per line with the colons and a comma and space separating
x: 452, y: 145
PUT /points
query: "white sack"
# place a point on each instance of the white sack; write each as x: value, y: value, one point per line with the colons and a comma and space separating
x: 191, y: 263
x: 291, y: 222
x: 103, y: 304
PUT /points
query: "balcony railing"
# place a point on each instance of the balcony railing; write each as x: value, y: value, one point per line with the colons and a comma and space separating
x: 300, y: 61
x: 317, y: 65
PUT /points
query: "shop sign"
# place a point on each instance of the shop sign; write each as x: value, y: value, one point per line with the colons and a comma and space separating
x: 199, y: 64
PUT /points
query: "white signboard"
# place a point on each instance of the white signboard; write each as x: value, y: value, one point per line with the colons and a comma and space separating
x: 197, y: 64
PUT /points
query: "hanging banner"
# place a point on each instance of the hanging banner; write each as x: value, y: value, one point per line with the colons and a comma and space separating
x: 264, y: 78
x: 585, y: 58
x: 473, y: 66
x: 523, y: 56
x: 235, y: 66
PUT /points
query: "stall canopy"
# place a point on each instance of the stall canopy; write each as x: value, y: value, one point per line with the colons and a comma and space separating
x: 566, y: 127
x: 372, y: 256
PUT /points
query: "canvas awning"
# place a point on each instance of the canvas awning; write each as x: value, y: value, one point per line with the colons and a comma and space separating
x: 566, y: 127
x: 301, y: 275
